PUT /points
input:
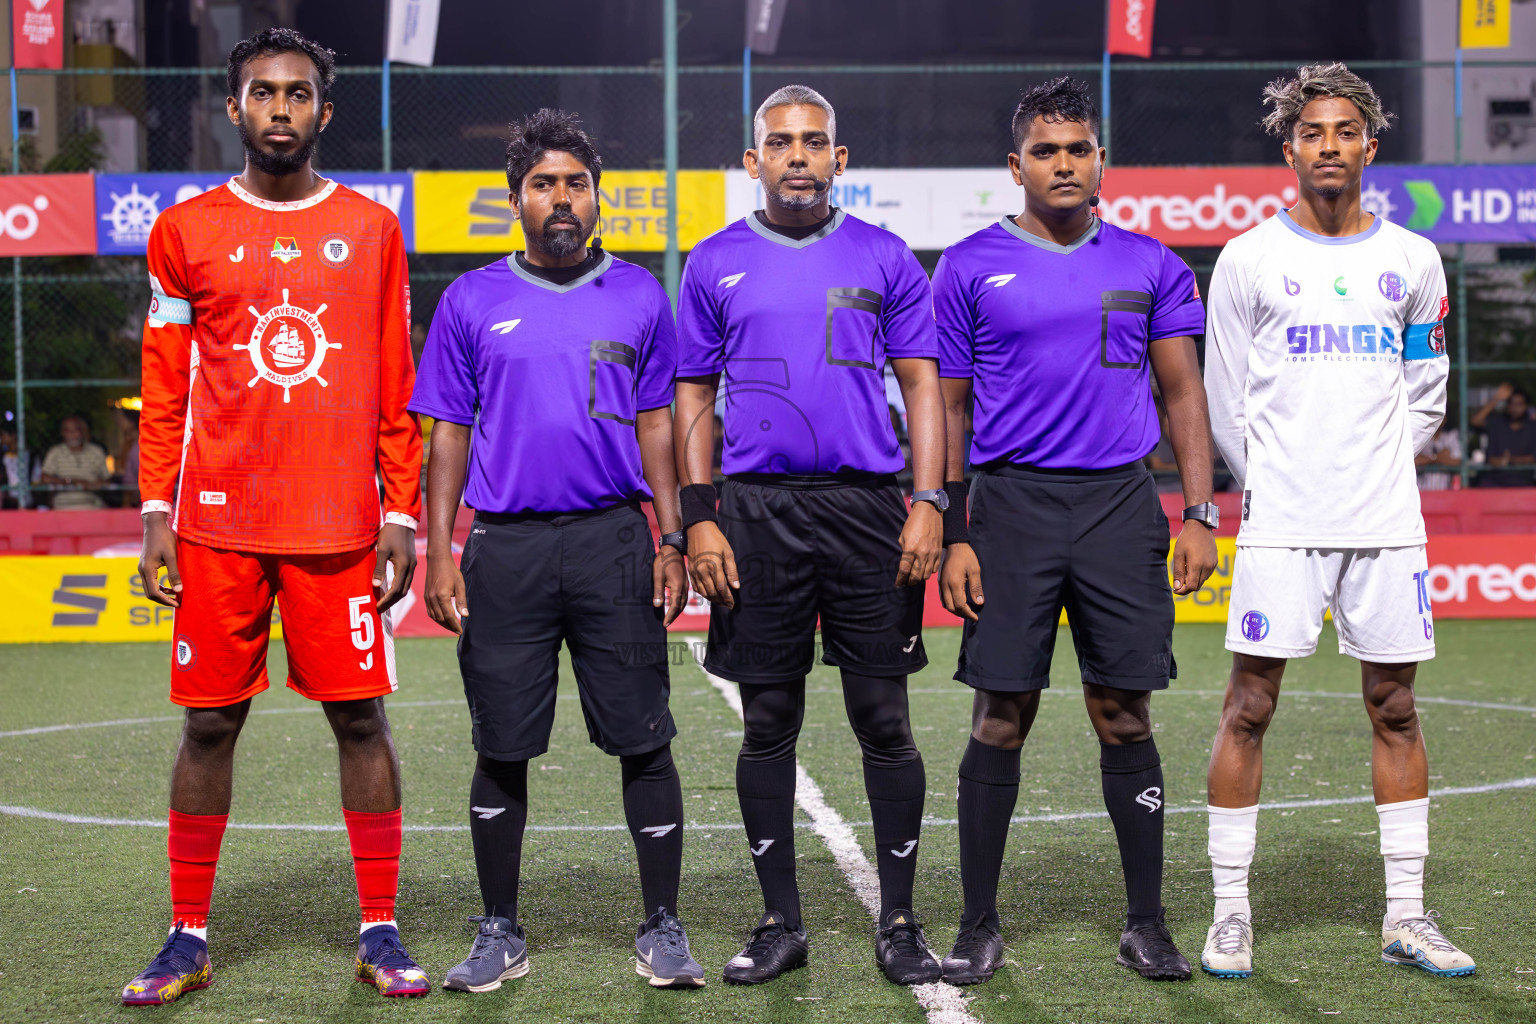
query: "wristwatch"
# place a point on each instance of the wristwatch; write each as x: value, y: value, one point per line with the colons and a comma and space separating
x: 1206, y: 514
x: 939, y: 499
x: 678, y: 540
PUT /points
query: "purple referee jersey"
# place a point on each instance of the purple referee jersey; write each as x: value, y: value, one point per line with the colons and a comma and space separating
x: 1056, y: 339
x: 799, y: 332
x: 551, y: 376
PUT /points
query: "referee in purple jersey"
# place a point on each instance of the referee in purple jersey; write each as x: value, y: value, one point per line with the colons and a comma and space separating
x: 1055, y: 319
x: 789, y: 316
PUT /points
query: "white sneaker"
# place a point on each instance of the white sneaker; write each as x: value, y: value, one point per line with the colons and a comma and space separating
x: 1229, y: 948
x: 1417, y: 942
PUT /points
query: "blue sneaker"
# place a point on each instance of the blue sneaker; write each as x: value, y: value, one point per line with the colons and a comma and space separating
x: 383, y: 962
x: 181, y: 966
x: 500, y: 953
x: 661, y: 953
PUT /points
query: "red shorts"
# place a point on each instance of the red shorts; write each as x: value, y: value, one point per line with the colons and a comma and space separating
x: 339, y: 647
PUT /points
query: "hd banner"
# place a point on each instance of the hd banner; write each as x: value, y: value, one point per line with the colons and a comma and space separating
x: 467, y: 211
x: 78, y: 598
x: 127, y: 204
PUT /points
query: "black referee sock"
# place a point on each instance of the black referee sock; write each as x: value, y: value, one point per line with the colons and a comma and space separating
x: 896, y: 810
x: 498, y: 813
x: 1133, y: 794
x: 766, y: 790
x: 989, y: 789
x: 653, y: 806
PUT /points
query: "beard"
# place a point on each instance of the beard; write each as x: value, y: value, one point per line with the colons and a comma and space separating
x: 277, y: 164
x: 1329, y: 191
x: 562, y: 243
x: 787, y: 200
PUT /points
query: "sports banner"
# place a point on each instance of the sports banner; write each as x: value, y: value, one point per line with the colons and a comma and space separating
x: 467, y: 211
x: 1484, y: 23
x: 1446, y: 203
x: 78, y: 598
x: 765, y: 21
x: 128, y: 204
x: 46, y: 215
x: 412, y: 31
x: 37, y: 33
x: 1130, y: 27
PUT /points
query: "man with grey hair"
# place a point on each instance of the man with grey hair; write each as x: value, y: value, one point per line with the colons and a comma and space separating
x: 790, y: 316
x: 1326, y: 372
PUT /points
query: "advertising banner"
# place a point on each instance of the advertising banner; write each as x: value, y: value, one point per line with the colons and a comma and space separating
x: 46, y: 215
x: 1447, y: 203
x: 36, y: 29
x: 1195, y: 205
x: 127, y: 204
x: 1130, y: 27
x: 412, y: 31
x: 1484, y: 23
x: 467, y: 211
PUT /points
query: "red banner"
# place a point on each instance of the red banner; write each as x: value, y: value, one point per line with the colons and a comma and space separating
x: 1130, y: 27
x: 1195, y: 205
x: 47, y: 214
x: 37, y: 33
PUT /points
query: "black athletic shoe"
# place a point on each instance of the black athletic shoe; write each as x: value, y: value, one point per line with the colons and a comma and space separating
x: 772, y: 950
x: 1148, y: 950
x: 978, y: 953
x: 901, y: 951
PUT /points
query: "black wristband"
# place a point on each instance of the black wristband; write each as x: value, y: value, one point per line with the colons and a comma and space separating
x: 956, y: 523
x: 698, y: 501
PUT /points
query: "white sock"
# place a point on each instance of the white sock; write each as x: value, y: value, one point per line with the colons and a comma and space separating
x: 201, y: 933
x: 374, y: 924
x: 1233, y: 835
x: 1404, y: 848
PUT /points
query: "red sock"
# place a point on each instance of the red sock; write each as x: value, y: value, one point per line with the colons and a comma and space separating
x: 193, y: 845
x: 375, y: 840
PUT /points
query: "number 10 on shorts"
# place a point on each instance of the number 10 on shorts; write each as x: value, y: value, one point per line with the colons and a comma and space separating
x: 1421, y: 587
x: 362, y: 628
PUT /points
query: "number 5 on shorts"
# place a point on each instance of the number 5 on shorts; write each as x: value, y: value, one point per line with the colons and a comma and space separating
x: 362, y: 628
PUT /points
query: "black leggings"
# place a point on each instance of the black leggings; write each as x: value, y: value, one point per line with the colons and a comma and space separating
x: 877, y: 710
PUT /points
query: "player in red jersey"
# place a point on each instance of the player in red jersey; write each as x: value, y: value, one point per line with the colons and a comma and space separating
x: 277, y: 366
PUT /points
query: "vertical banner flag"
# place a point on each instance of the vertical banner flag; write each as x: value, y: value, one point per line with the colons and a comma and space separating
x: 412, y: 31
x: 765, y: 20
x: 1484, y: 24
x: 36, y: 32
x: 1130, y: 27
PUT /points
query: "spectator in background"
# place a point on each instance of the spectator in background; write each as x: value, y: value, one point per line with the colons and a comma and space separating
x: 719, y: 446
x: 12, y: 471
x: 75, y: 461
x: 1162, y: 461
x: 1444, y: 449
x: 1511, y: 438
x: 128, y: 453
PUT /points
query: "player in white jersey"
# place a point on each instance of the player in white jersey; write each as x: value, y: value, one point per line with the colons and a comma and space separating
x: 1326, y: 371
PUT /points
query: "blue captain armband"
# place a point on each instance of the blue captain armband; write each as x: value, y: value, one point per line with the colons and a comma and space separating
x: 169, y: 309
x: 1424, y: 341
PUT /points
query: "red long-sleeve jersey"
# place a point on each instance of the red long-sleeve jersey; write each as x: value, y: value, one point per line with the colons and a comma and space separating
x: 277, y: 367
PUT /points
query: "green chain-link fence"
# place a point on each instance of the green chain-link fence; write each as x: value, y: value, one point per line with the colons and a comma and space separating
x: 78, y: 350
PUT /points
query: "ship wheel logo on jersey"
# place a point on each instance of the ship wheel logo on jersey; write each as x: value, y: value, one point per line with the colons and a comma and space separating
x: 287, y: 346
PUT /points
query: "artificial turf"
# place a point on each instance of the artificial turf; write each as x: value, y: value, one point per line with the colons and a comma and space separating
x: 83, y: 906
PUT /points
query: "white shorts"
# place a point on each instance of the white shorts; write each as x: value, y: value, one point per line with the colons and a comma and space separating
x: 1378, y: 596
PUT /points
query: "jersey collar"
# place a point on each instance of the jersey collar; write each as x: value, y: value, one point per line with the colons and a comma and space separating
x: 267, y: 204
x: 1087, y: 236
x: 1285, y: 218
x: 575, y: 282
x: 773, y: 236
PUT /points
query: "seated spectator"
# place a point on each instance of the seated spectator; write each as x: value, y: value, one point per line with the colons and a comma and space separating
x: 1444, y: 449
x: 1511, y: 438
x: 75, y: 461
x: 1162, y: 462
x: 128, y: 453
x: 13, y: 476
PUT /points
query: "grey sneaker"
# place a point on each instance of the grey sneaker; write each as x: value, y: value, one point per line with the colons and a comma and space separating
x: 661, y: 953
x: 499, y: 954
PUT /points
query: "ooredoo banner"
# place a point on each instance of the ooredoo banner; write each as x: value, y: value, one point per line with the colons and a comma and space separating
x: 1194, y: 205
x: 46, y: 215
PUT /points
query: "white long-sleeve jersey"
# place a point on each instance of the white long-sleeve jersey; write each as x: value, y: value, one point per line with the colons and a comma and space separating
x: 1325, y: 369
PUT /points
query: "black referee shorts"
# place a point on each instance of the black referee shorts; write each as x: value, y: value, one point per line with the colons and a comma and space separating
x: 535, y: 580
x: 1094, y: 542
x: 809, y: 547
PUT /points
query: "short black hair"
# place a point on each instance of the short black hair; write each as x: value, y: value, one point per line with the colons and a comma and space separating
x: 272, y: 41
x: 540, y: 133
x: 1522, y: 393
x: 1061, y: 99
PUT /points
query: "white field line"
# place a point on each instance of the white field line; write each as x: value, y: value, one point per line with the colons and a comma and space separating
x: 944, y: 1003
x: 960, y: 689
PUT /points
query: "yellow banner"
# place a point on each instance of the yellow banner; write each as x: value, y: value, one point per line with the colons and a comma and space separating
x: 1484, y: 24
x: 1209, y: 603
x: 79, y: 599
x: 467, y: 211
